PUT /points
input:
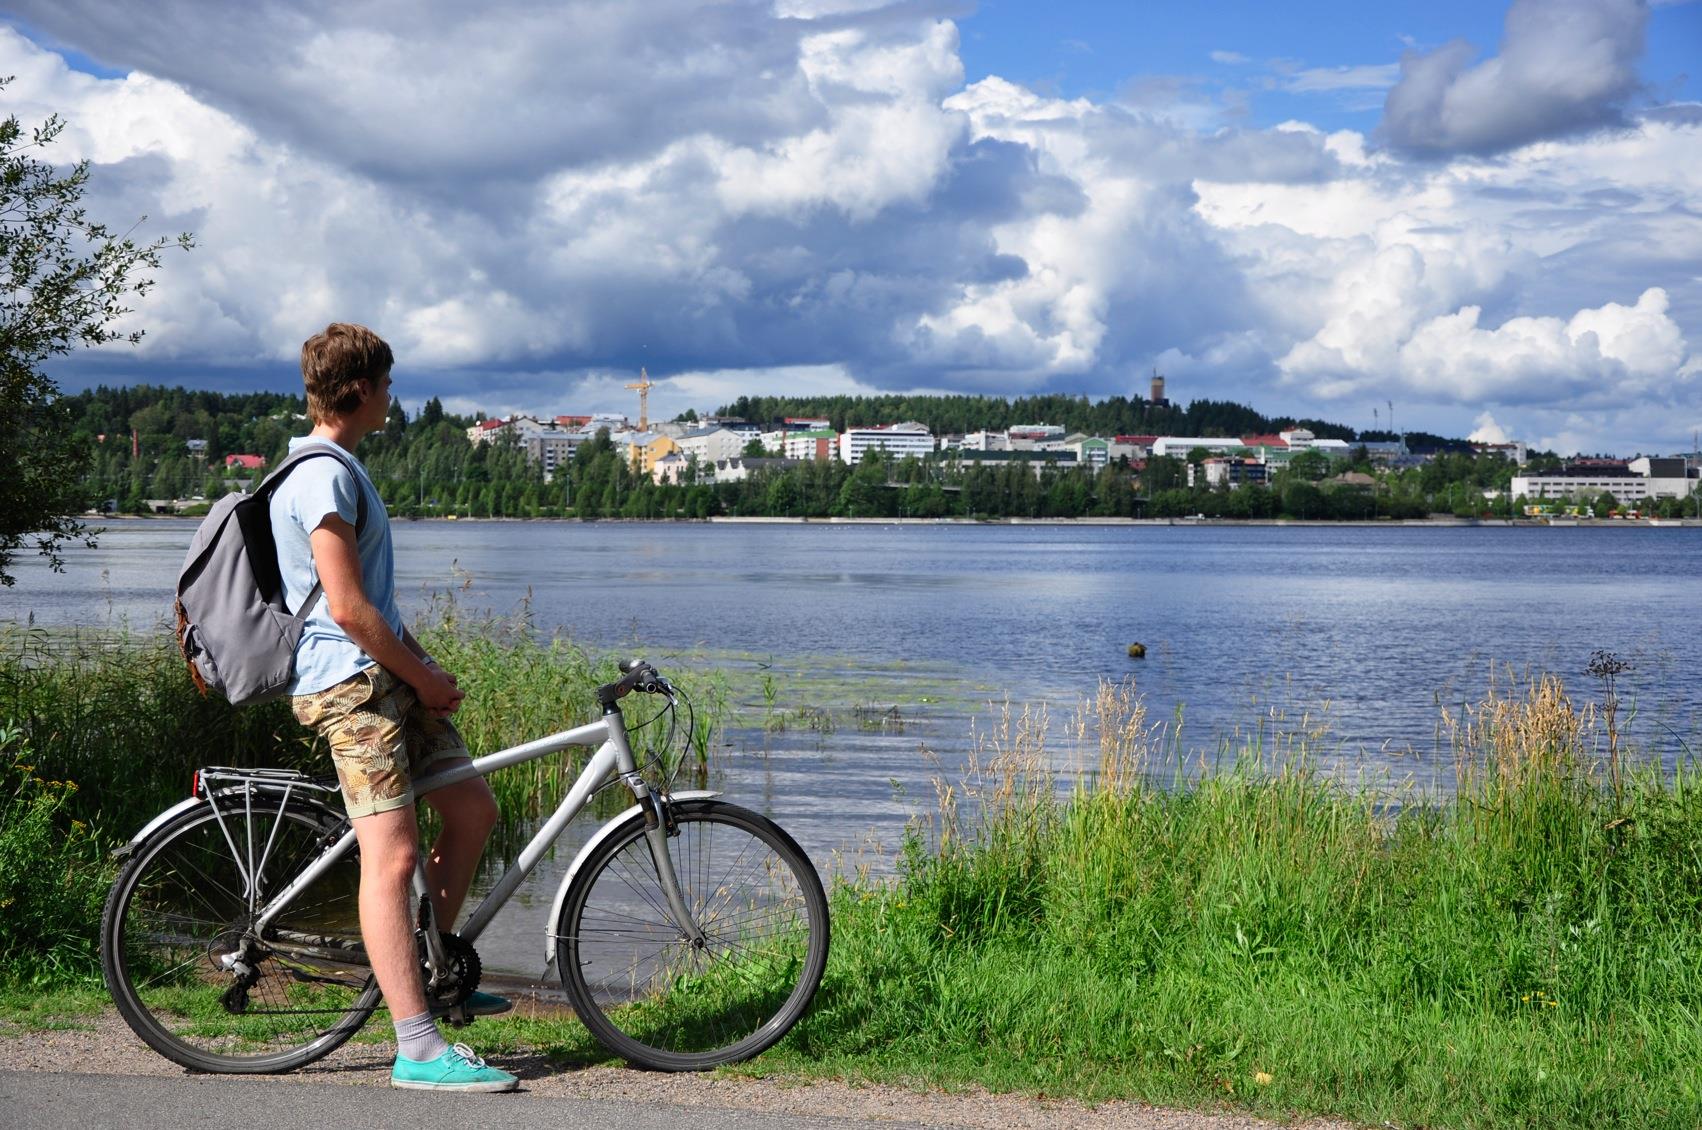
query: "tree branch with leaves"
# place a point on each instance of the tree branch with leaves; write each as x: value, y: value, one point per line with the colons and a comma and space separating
x: 65, y: 281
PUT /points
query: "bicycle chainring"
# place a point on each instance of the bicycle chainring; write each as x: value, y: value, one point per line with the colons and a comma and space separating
x: 462, y: 975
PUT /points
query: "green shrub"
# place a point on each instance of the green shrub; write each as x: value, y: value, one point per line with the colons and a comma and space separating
x: 52, y: 878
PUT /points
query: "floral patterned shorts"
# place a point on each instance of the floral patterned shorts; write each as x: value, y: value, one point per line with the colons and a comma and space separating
x: 381, y: 739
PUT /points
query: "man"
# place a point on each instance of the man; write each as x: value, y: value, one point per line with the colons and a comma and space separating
x: 381, y: 703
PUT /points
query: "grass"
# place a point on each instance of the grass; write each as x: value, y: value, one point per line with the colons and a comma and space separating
x: 1247, y: 931
x: 98, y: 733
x: 1527, y: 954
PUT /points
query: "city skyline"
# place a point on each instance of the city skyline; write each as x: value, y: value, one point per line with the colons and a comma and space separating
x: 1485, y: 215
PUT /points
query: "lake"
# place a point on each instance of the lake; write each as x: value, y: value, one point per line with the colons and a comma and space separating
x: 1370, y: 633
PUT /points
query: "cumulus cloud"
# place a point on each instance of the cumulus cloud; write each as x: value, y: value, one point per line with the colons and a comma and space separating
x: 422, y: 90
x: 848, y: 215
x: 1605, y: 353
x: 1488, y: 431
x: 1565, y: 66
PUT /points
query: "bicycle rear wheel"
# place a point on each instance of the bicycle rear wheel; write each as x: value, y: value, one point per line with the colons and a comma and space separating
x: 187, y: 969
x: 645, y: 990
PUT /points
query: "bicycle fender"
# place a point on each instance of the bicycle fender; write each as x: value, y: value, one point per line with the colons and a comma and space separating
x: 155, y: 824
x: 173, y: 812
x: 603, y: 833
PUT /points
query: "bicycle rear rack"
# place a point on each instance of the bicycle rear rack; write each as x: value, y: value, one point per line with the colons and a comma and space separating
x: 218, y: 778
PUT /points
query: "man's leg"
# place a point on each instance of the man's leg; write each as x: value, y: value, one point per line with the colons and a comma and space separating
x: 389, y: 847
x: 468, y: 812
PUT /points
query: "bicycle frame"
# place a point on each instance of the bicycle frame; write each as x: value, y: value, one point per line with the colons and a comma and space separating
x: 613, y: 756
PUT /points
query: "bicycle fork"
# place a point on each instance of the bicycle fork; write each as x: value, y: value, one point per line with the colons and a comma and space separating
x: 659, y: 827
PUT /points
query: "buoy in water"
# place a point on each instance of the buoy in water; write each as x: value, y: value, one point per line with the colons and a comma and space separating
x: 1137, y: 651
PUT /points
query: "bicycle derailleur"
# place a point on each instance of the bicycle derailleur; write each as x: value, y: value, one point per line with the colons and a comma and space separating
x: 237, y: 958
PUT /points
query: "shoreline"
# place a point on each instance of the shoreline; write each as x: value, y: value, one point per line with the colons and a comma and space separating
x: 1355, y: 523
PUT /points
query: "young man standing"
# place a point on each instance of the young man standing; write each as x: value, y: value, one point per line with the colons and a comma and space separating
x: 365, y: 685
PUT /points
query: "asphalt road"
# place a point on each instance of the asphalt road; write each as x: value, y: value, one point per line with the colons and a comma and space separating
x: 33, y: 1101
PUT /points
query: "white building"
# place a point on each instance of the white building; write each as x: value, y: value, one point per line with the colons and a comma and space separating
x: 896, y: 440
x: 1642, y: 480
x: 553, y: 448
x: 815, y: 444
x: 986, y: 441
x: 1177, y: 447
x: 550, y: 445
x: 1034, y: 434
x: 1668, y: 478
x: 1301, y: 439
x: 1228, y: 471
x: 1131, y: 447
x: 520, y: 427
x: 669, y: 469
x: 1091, y: 451
x: 1513, y: 451
x: 741, y: 467
x: 711, y: 445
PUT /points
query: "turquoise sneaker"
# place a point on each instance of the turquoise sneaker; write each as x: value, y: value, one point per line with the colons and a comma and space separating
x: 457, y: 1069
x: 477, y: 1004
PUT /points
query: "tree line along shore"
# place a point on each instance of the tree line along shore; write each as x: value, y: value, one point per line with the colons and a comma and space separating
x: 136, y: 442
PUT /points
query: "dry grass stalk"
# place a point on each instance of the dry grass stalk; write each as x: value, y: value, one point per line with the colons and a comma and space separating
x: 1507, y: 742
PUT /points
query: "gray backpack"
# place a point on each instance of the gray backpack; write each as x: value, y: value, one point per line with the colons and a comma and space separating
x: 236, y: 634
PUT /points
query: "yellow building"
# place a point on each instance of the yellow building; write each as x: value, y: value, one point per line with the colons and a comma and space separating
x: 647, y: 453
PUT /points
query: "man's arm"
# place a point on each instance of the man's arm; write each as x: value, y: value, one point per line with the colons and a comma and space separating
x: 338, y: 562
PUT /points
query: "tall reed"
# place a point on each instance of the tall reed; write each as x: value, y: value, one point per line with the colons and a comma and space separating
x: 1524, y: 952
x: 118, y: 715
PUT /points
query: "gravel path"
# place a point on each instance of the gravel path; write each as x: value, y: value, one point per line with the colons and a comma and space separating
x: 107, y: 1047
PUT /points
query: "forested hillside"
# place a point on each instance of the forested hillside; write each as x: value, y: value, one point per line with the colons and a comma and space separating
x: 138, y: 442
x: 957, y: 415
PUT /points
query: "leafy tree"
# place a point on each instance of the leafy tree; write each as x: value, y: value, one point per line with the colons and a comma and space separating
x: 1310, y: 464
x: 67, y: 280
x: 1164, y: 472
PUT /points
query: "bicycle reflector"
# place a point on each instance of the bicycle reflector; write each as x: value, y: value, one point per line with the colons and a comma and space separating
x: 195, y: 783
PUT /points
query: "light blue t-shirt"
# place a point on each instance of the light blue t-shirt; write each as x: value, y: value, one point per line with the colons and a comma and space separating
x: 326, y: 655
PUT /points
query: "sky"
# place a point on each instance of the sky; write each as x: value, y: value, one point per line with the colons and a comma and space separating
x: 1483, y: 217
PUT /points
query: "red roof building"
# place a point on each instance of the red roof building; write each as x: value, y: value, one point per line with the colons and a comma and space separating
x: 246, y: 462
x: 1264, y: 441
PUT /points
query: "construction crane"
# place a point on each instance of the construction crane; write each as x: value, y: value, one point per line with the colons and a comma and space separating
x: 643, y: 385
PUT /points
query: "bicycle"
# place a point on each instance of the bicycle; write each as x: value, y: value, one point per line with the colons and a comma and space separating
x: 687, y: 932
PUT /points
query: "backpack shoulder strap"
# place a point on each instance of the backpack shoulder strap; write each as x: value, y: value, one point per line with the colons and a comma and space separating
x: 296, y: 458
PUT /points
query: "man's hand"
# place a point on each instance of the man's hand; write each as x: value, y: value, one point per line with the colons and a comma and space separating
x: 438, y: 693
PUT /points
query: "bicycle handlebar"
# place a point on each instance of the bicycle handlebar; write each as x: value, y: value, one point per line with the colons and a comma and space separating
x: 636, y: 675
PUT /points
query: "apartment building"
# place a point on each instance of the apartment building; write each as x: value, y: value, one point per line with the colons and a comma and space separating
x: 895, y: 440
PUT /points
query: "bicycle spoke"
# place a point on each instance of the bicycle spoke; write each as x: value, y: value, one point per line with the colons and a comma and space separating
x: 664, y: 1002
x: 178, y: 912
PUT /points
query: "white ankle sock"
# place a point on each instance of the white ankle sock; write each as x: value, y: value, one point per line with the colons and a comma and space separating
x: 418, y: 1039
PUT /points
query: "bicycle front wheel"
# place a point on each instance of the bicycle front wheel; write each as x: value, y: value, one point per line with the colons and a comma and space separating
x: 186, y: 966
x: 651, y: 995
